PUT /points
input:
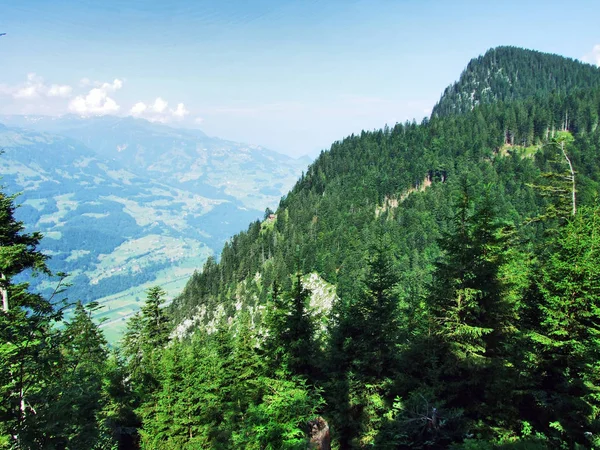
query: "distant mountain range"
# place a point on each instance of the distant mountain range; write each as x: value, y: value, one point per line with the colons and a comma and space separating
x: 125, y: 203
x: 187, y: 159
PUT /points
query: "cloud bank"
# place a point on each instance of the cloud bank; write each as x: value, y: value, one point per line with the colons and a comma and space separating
x: 35, y: 88
x: 159, y: 111
x: 97, y: 100
x: 86, y: 98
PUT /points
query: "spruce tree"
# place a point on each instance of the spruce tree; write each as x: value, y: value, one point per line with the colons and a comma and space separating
x: 471, y: 316
x: 77, y: 395
x: 146, y: 334
x: 291, y: 330
x: 363, y: 349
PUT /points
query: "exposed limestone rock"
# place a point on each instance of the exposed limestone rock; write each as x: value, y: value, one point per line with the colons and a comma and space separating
x: 322, y: 297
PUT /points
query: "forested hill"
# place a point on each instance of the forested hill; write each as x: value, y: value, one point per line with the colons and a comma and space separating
x: 512, y: 73
x: 399, y: 181
x: 446, y: 248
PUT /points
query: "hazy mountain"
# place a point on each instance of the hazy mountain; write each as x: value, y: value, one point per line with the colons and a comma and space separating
x: 118, y: 221
x: 184, y: 158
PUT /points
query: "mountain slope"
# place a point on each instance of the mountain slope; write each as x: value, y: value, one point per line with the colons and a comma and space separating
x: 512, y: 73
x: 91, y: 210
x: 401, y: 181
x: 435, y: 240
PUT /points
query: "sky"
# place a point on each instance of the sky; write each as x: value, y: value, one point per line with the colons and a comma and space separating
x: 291, y: 75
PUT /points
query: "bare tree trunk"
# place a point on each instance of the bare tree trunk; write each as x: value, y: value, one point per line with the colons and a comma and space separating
x: 562, y: 147
x: 4, y: 291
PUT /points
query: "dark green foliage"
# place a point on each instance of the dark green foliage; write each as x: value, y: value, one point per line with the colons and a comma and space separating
x: 558, y: 181
x: 216, y: 393
x: 76, y: 397
x: 566, y: 339
x: 147, y: 333
x: 155, y: 322
x: 363, y: 349
x: 53, y: 378
x: 290, y: 342
x: 471, y: 317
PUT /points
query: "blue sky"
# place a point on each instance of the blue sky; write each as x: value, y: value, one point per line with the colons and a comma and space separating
x: 293, y: 76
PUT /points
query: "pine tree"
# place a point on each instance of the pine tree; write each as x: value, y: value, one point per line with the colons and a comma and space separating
x: 28, y: 337
x: 291, y: 339
x: 117, y: 419
x: 155, y: 320
x: 558, y: 184
x: 146, y: 334
x: 363, y: 352
x: 76, y: 397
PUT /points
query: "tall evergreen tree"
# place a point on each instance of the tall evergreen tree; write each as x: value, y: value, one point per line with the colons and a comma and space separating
x: 471, y: 317
x: 28, y: 336
x: 291, y: 330
x: 363, y: 350
x: 76, y: 396
x: 147, y: 333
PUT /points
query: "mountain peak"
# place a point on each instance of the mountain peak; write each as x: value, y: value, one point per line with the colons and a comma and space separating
x: 511, y: 73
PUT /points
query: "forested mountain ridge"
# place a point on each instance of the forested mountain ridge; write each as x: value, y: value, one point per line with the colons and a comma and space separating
x: 348, y: 189
x: 389, y: 201
x: 512, y: 73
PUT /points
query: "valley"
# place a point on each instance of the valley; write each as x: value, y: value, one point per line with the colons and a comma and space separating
x: 118, y: 221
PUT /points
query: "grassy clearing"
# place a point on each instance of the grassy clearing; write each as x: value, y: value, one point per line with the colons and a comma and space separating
x: 524, y: 152
x: 37, y: 203
x: 65, y: 204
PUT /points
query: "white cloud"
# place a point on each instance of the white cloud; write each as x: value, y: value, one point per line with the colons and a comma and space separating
x: 97, y: 101
x: 138, y: 108
x: 593, y: 57
x: 35, y: 88
x: 26, y: 92
x: 58, y: 90
x: 180, y: 111
x: 111, y: 87
x: 159, y: 111
x: 86, y: 98
x: 198, y: 120
x: 159, y: 105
